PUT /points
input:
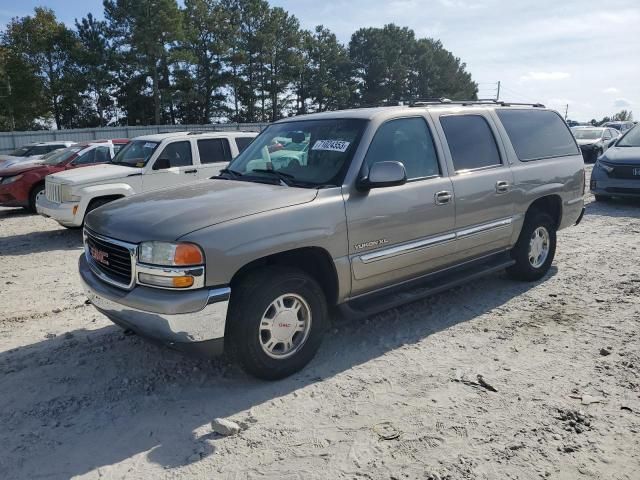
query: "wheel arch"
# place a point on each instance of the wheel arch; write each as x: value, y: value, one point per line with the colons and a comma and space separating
x: 549, y: 204
x: 315, y: 261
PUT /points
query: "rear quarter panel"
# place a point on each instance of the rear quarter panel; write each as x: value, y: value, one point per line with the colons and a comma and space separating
x: 562, y: 176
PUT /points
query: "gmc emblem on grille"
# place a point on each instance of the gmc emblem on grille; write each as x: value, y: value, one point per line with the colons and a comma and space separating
x: 99, y: 255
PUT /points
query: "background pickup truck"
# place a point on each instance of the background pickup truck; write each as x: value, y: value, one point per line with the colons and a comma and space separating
x: 361, y: 210
x: 147, y: 163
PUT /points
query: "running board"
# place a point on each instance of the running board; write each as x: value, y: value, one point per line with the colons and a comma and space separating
x: 426, y: 286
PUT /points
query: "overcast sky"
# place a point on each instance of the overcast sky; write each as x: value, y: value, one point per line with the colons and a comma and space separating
x: 584, y: 53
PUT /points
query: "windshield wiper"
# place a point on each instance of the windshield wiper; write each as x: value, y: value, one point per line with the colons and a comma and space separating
x: 227, y: 171
x: 286, y: 178
x: 126, y: 164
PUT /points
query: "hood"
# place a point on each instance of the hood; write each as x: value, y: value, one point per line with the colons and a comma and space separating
x: 622, y: 155
x: 587, y: 141
x: 19, y: 161
x: 21, y: 168
x: 94, y: 173
x: 9, y: 157
x: 167, y: 215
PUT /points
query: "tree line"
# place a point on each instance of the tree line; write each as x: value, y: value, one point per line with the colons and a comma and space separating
x: 154, y: 62
x: 621, y: 116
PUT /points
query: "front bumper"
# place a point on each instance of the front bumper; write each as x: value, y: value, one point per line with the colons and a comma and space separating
x: 192, y: 321
x: 602, y: 184
x: 61, y: 212
x: 14, y: 194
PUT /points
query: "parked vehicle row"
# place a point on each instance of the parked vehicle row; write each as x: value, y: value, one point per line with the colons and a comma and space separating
x: 145, y: 164
x: 22, y: 184
x: 358, y: 210
x: 593, y: 141
x: 31, y: 152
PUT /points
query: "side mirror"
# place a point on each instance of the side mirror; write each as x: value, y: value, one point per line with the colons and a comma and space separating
x: 162, y: 163
x: 384, y: 174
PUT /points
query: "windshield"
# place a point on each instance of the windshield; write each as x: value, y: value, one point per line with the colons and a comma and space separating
x: 21, y: 152
x: 59, y: 156
x: 309, y: 153
x: 630, y: 139
x: 587, y: 133
x: 136, y: 153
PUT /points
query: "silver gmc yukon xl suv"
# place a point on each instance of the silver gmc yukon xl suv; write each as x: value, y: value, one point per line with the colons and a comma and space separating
x: 362, y: 210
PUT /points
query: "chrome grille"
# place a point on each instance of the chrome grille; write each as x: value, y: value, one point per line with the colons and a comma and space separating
x: 53, y: 192
x: 624, y: 171
x: 112, y: 260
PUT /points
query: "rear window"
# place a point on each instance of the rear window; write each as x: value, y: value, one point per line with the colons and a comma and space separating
x: 214, y: 150
x: 537, y: 134
x: 243, y: 142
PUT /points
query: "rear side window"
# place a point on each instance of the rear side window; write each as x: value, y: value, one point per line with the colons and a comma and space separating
x: 537, y: 134
x: 243, y: 142
x: 214, y: 150
x: 405, y: 140
x: 471, y: 142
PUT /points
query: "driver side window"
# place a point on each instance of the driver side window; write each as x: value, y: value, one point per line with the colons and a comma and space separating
x: 176, y: 154
x: 405, y: 140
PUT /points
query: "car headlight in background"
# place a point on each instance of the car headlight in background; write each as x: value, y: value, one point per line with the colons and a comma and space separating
x: 66, y: 195
x: 170, y: 254
x: 604, y: 166
x: 8, y: 180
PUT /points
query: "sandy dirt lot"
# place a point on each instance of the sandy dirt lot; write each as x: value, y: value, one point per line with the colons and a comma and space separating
x: 395, y: 396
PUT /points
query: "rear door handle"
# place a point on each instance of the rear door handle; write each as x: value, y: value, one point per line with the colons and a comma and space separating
x: 442, y: 198
x: 502, y: 186
x: 191, y: 171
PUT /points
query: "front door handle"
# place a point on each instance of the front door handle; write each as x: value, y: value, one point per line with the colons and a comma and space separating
x: 502, y: 186
x: 191, y: 171
x: 443, y: 198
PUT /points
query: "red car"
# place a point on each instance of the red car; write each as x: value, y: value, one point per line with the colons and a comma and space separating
x: 20, y: 186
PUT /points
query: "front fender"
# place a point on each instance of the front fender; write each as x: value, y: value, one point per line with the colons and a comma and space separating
x: 87, y: 194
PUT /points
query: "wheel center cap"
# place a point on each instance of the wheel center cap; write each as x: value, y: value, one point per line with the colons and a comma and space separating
x: 284, y: 325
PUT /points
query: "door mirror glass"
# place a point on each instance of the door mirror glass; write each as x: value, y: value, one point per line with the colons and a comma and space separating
x: 384, y: 174
x: 162, y: 163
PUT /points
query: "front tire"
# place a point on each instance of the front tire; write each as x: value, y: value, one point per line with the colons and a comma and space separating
x: 277, y: 319
x: 36, y: 192
x: 535, y: 249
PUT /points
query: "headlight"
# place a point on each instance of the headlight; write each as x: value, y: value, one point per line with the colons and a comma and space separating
x: 66, y: 196
x: 170, y: 254
x: 7, y: 180
x: 605, y: 167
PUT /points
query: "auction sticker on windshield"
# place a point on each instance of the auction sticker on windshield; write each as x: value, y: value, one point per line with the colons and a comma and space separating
x: 331, y: 145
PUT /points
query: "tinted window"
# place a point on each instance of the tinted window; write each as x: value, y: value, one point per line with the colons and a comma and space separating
x: 537, y: 134
x: 405, y: 140
x: 243, y: 142
x: 214, y: 150
x: 85, y: 158
x: 40, y: 150
x: 117, y: 147
x: 178, y: 154
x: 471, y: 142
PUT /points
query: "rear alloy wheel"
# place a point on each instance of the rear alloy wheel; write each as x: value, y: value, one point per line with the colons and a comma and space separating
x: 36, y: 193
x: 535, y: 249
x: 276, y: 321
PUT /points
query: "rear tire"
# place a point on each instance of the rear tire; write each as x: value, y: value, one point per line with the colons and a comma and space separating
x: 36, y: 192
x: 277, y: 319
x: 535, y: 249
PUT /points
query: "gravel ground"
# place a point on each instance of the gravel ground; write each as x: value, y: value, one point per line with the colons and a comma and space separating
x: 396, y: 396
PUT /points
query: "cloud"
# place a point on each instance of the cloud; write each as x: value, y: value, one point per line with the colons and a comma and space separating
x: 544, y: 76
x: 621, y: 103
x: 611, y: 90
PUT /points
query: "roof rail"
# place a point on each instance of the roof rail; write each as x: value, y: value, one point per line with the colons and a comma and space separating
x: 481, y: 101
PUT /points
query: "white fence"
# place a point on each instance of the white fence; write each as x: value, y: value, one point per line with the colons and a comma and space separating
x: 9, y: 141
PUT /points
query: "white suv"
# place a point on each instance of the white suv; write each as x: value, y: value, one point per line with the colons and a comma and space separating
x: 150, y: 162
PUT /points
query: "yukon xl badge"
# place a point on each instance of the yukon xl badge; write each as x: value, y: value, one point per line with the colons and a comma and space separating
x: 373, y: 243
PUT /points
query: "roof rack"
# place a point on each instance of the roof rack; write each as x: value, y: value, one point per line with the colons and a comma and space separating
x: 481, y: 101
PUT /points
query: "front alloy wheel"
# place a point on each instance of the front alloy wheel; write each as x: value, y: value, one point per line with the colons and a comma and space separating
x: 277, y: 318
